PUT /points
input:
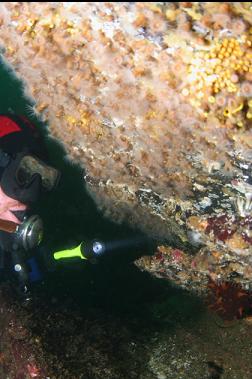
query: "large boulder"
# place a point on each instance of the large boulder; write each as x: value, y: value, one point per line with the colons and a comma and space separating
x: 154, y: 101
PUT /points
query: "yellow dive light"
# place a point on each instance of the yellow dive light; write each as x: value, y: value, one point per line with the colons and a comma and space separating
x: 82, y: 251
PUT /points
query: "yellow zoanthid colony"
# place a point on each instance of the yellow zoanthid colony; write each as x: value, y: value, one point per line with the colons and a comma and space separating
x: 154, y: 101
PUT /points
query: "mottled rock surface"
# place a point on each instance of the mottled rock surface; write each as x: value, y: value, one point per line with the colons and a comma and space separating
x: 167, y: 337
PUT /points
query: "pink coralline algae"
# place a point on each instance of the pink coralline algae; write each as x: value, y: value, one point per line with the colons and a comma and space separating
x: 222, y: 227
x: 33, y: 370
x: 153, y: 101
x: 177, y: 255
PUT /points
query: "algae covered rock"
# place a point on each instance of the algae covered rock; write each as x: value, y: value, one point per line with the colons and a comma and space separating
x: 154, y: 101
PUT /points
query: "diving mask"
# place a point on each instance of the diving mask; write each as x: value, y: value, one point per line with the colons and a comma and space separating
x: 29, y: 166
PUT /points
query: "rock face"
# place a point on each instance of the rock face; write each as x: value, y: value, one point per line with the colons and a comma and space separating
x: 154, y: 101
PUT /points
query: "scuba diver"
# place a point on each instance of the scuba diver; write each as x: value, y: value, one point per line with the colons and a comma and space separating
x: 24, y: 175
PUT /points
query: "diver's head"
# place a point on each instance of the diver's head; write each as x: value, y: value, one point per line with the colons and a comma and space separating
x: 24, y: 171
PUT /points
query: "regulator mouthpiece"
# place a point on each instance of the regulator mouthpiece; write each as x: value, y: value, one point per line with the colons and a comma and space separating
x: 30, y: 232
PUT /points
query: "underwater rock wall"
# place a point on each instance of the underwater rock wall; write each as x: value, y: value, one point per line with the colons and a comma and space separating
x: 154, y: 101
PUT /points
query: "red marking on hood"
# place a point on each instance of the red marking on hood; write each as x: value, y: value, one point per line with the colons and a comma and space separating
x: 8, y: 126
